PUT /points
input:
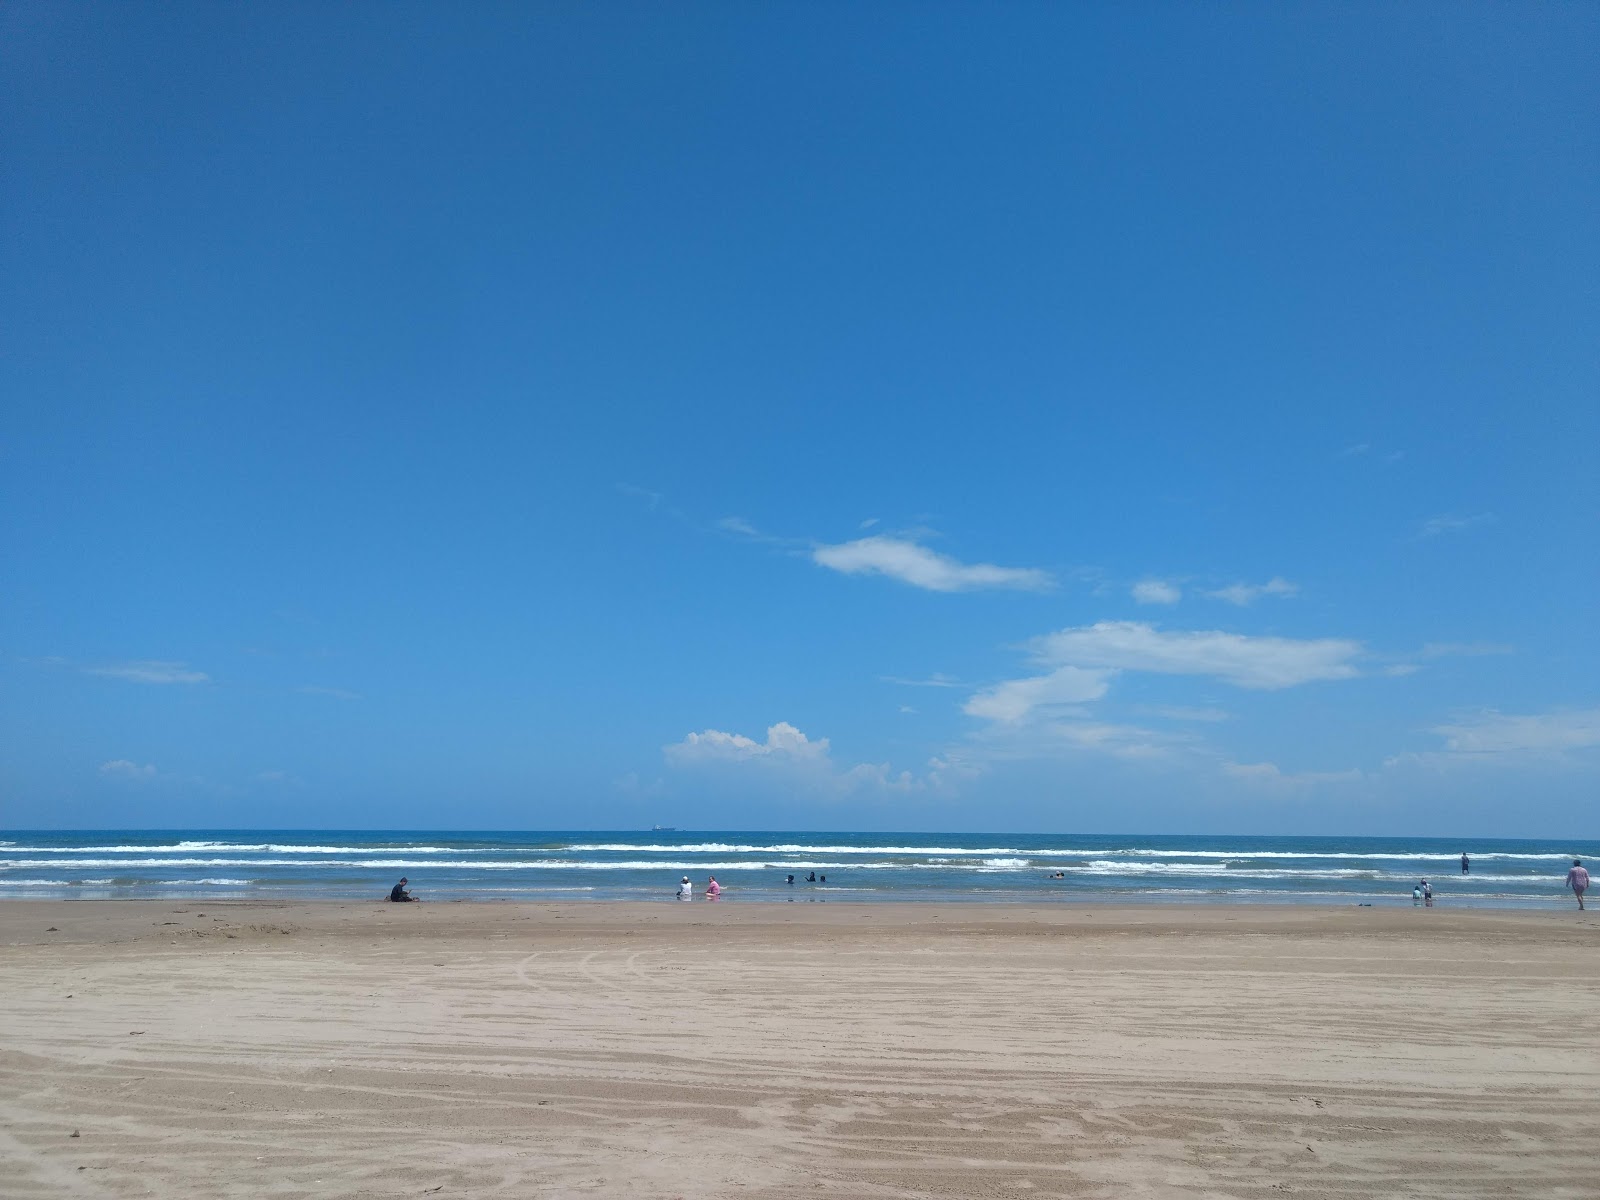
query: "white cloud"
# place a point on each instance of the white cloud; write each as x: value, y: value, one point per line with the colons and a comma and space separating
x: 1266, y: 663
x: 784, y: 742
x: 937, y: 680
x: 122, y: 768
x: 1399, y: 670
x: 1016, y: 698
x: 1070, y: 733
x: 738, y: 525
x: 1120, y: 741
x: 798, y: 760
x: 1358, y: 448
x: 1493, y: 733
x: 150, y: 671
x: 1448, y: 523
x: 1179, y: 712
x: 1243, y: 594
x: 1271, y: 774
x: 912, y: 563
x: 1156, y: 591
x: 313, y: 689
x: 1565, y: 737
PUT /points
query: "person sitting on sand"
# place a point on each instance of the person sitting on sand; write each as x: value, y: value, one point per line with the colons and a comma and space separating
x: 1578, y: 880
x: 713, y: 888
x: 685, y: 889
x: 398, y: 892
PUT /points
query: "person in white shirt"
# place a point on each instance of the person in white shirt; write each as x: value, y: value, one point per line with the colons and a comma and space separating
x: 1578, y: 880
x: 685, y: 889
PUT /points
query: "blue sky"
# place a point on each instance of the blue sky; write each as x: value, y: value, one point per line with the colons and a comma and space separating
x: 950, y: 417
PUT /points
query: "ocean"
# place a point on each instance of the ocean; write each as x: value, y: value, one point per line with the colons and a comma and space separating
x: 754, y: 866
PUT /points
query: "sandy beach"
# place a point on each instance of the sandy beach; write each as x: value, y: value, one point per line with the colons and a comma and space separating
x: 661, y: 1050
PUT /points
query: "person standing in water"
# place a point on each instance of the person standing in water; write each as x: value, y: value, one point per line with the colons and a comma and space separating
x: 1578, y: 880
x: 1427, y: 894
x: 1466, y: 863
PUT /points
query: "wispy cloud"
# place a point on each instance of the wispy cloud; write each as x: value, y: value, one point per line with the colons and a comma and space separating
x: 1271, y: 775
x: 1494, y: 734
x: 1266, y: 663
x: 150, y: 671
x: 748, y: 531
x: 1180, y: 712
x: 333, y: 693
x: 1244, y: 594
x: 1362, y: 449
x: 651, y: 499
x: 1156, y: 591
x: 127, y: 770
x: 1015, y: 699
x: 913, y: 563
x: 1449, y: 523
x: 1560, y: 738
x: 937, y: 680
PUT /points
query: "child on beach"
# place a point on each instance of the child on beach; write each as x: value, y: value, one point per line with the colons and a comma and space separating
x: 1416, y: 895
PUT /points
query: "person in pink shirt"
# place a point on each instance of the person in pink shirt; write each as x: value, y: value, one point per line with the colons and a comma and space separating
x: 1578, y: 880
x: 713, y: 888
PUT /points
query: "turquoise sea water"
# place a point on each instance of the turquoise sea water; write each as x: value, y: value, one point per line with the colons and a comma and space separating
x: 287, y: 864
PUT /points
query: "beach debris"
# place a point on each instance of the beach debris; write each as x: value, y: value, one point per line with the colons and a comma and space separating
x: 440, y: 1188
x: 135, y: 1033
x: 52, y: 929
x: 74, y: 1133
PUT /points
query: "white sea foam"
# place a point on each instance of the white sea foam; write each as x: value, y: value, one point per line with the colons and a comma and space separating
x: 1042, y: 852
x: 28, y: 883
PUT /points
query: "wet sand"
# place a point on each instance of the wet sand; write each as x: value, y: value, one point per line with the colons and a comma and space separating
x: 662, y: 1050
